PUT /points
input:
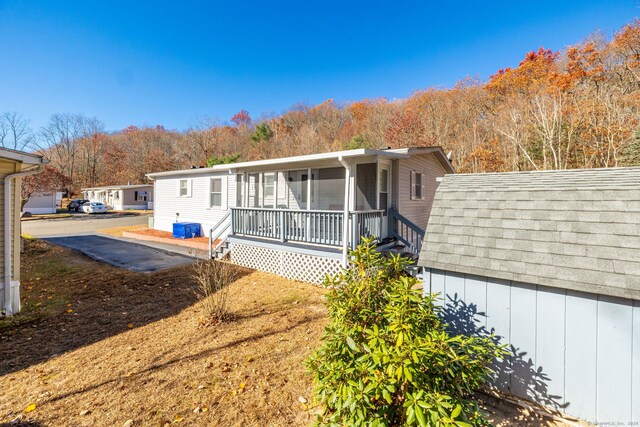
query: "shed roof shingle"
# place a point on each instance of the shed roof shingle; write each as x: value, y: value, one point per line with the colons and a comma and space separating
x: 576, y: 229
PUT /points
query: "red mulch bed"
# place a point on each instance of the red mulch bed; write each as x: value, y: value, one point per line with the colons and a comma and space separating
x: 167, y: 235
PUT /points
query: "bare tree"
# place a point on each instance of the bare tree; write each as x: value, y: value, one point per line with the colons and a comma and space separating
x: 15, y: 132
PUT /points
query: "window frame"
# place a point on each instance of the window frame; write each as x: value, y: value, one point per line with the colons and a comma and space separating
x: 140, y: 196
x: 417, y: 182
x: 212, y: 181
x: 186, y: 188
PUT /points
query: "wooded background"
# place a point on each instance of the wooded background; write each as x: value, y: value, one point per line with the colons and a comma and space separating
x: 578, y: 108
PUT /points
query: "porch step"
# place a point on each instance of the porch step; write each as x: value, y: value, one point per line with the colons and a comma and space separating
x: 395, y: 248
x: 222, y: 251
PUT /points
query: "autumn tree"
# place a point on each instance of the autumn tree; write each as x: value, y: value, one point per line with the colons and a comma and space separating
x: 49, y: 180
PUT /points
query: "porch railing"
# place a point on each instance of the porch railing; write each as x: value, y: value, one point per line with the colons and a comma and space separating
x: 308, y: 226
x: 406, y: 232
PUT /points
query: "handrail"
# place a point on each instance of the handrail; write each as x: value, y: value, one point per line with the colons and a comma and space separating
x: 212, y: 239
x: 406, y: 221
x: 406, y: 231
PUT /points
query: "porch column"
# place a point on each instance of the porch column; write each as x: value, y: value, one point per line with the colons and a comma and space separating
x: 275, y: 189
x: 309, y: 233
x: 245, y: 195
x: 347, y: 203
x: 309, y: 189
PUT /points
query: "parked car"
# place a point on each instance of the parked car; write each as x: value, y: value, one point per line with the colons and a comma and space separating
x: 75, y: 204
x: 94, y: 207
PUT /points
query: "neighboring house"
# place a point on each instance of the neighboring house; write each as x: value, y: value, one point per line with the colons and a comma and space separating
x: 13, y: 166
x: 122, y: 197
x: 287, y: 215
x: 43, y: 202
x: 550, y: 262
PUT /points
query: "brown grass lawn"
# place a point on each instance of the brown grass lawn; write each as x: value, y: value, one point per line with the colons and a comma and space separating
x: 99, y: 346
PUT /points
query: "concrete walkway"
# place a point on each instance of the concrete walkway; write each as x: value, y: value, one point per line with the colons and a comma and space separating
x: 119, y: 253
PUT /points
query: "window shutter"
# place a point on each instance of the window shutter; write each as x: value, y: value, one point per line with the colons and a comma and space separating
x: 421, y: 186
x: 135, y: 196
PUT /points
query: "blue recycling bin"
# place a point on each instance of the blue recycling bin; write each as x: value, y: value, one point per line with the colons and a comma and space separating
x: 186, y: 230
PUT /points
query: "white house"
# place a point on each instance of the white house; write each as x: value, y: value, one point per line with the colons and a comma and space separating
x: 298, y: 216
x: 43, y: 202
x: 122, y: 197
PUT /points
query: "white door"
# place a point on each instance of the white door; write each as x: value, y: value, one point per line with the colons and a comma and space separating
x: 384, y: 195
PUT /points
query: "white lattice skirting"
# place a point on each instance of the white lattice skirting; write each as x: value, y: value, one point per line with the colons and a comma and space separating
x: 289, y: 264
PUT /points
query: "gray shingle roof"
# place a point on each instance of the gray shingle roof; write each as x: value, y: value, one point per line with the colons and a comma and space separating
x: 577, y: 229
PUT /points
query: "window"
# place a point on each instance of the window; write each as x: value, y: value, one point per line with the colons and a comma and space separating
x: 417, y: 186
x: 140, y: 196
x: 215, y: 200
x: 384, y: 190
x: 268, y: 185
x: 239, y: 190
x: 184, y: 188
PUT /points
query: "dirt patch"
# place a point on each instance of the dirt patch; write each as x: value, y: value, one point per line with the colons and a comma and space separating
x: 196, y: 243
x: 97, y: 345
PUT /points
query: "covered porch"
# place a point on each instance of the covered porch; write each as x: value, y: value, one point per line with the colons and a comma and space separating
x: 331, y: 204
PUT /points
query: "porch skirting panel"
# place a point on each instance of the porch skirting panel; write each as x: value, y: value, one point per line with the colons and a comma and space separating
x: 286, y: 262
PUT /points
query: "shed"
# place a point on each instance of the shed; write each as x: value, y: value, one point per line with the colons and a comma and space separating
x: 43, y: 202
x: 550, y: 262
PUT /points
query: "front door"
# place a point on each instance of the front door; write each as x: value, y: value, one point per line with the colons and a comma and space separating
x: 384, y: 195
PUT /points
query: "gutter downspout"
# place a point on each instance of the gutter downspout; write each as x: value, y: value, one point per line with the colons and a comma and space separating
x: 8, y: 307
x: 345, y: 221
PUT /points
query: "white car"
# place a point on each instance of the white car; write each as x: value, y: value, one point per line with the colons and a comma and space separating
x: 94, y: 207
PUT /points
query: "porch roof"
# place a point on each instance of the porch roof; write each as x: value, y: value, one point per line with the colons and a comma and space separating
x: 314, y: 160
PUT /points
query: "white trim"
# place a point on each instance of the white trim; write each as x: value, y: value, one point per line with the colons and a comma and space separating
x: 392, y: 154
x: 21, y: 156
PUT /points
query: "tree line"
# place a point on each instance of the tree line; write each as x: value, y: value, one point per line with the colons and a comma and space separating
x: 575, y: 108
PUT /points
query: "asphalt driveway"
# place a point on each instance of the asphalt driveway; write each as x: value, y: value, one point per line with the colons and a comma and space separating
x: 123, y: 254
x: 81, y: 232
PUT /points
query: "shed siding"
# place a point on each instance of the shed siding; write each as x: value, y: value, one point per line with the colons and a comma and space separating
x: 41, y: 203
x: 573, y: 351
x: 193, y: 208
x: 417, y: 210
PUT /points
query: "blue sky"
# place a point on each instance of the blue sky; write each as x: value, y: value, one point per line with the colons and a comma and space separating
x: 161, y: 62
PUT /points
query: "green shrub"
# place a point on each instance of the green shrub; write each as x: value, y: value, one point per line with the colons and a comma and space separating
x: 386, y: 359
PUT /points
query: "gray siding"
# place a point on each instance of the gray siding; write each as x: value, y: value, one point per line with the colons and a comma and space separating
x: 575, y: 352
x: 417, y: 210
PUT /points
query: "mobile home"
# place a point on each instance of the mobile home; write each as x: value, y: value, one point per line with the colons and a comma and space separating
x: 122, y: 197
x: 298, y: 216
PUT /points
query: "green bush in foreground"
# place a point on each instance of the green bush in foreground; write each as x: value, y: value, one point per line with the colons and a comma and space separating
x: 386, y: 359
